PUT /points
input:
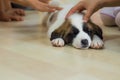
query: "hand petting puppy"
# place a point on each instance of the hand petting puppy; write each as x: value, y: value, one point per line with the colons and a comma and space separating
x: 42, y: 5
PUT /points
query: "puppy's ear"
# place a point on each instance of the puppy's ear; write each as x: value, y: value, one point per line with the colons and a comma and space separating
x: 96, y: 29
x: 49, y: 18
x: 53, y: 17
x: 45, y: 18
x: 62, y: 31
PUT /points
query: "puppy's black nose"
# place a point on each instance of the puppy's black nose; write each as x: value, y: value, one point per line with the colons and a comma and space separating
x: 84, y: 42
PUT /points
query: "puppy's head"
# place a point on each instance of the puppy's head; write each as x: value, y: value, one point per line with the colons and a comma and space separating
x: 76, y: 32
x: 82, y: 32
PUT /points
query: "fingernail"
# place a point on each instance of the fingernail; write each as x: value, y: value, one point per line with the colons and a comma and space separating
x: 67, y: 15
x: 53, y: 9
x: 85, y: 21
x: 9, y: 20
x: 60, y: 8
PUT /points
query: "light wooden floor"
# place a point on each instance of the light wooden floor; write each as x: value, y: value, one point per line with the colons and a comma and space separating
x: 26, y: 54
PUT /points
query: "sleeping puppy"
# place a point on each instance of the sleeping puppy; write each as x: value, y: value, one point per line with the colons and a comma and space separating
x: 72, y: 30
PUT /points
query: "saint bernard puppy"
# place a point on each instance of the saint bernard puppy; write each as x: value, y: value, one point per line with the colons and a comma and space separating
x: 73, y: 30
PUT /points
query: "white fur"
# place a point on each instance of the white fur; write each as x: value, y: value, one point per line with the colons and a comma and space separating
x: 97, y: 42
x: 77, y: 40
x: 77, y: 21
x: 58, y: 42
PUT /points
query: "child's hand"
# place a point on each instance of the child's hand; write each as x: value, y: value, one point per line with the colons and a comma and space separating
x: 90, y: 5
x: 45, y: 1
x: 42, y: 5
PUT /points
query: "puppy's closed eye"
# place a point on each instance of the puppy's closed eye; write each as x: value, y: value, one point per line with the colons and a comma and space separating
x: 88, y: 29
x: 71, y: 35
x: 75, y: 31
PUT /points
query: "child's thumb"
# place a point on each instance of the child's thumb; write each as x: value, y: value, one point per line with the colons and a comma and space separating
x: 88, y: 14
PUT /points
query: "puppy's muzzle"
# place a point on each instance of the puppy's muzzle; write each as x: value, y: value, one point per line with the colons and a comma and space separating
x: 84, y: 43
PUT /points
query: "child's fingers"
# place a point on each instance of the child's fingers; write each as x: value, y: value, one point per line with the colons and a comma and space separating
x: 16, y: 18
x: 56, y: 8
x: 72, y: 10
x: 48, y: 8
x: 45, y: 1
x: 5, y: 19
x: 19, y: 12
x: 79, y: 7
x: 45, y: 9
x: 88, y: 14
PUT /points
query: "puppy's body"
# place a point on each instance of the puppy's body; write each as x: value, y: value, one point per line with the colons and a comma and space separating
x: 73, y: 30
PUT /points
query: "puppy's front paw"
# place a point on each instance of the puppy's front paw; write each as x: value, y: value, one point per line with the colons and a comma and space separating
x: 58, y: 42
x: 97, y: 43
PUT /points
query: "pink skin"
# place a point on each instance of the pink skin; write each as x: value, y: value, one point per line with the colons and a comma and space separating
x: 91, y: 6
x: 7, y: 13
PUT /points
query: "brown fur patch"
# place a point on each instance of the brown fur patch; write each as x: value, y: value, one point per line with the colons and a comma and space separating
x: 92, y: 26
x: 64, y: 29
x: 95, y: 29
